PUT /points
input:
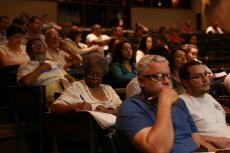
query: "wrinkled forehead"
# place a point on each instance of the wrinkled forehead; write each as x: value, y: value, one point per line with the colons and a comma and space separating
x: 156, y: 67
x: 197, y: 69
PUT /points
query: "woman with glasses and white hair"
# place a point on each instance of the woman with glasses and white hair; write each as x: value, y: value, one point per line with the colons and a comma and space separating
x: 90, y: 93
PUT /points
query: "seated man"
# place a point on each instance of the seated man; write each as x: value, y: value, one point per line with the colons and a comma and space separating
x: 156, y: 120
x: 207, y: 113
x: 53, y: 53
x: 40, y: 72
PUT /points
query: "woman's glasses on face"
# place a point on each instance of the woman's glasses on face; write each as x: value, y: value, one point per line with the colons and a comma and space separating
x: 158, y: 76
x: 94, y: 74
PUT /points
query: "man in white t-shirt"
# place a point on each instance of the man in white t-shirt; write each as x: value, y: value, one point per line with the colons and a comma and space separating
x: 207, y: 113
x: 96, y: 38
x: 214, y: 28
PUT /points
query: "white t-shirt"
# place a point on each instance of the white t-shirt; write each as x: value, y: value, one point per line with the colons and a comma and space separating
x: 91, y: 37
x: 50, y: 78
x: 208, y: 115
x: 211, y: 30
x: 133, y: 88
x: 78, y: 92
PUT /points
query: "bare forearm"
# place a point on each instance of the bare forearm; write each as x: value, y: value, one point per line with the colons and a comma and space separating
x: 219, y: 142
x: 162, y: 132
x: 200, y: 141
x: 61, y: 108
x: 158, y: 138
x: 31, y: 77
x: 111, y: 111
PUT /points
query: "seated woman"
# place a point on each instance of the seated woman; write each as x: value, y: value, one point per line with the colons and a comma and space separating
x: 145, y: 46
x: 89, y: 94
x: 13, y: 53
x: 178, y: 59
x: 123, y: 67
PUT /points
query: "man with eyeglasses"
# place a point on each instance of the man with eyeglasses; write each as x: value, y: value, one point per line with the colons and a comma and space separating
x: 156, y: 120
x: 207, y: 113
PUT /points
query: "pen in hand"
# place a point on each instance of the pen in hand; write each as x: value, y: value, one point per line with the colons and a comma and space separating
x: 85, y: 105
x: 83, y: 100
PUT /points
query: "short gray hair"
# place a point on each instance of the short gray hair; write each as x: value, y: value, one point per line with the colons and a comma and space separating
x: 144, y: 62
x: 95, y: 58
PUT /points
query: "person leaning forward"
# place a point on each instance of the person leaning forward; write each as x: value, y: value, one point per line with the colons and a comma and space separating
x: 156, y: 120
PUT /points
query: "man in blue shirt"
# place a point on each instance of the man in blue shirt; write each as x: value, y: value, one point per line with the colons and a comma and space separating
x: 156, y: 120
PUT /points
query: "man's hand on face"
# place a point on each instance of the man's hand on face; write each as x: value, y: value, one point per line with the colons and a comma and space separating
x: 168, y: 96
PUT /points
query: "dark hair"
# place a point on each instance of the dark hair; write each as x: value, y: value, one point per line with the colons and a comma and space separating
x: 95, y: 26
x: 18, y: 21
x: 138, y: 28
x: 171, y: 64
x: 117, y: 52
x: 30, y: 43
x: 33, y: 18
x: 94, y: 58
x: 187, y: 47
x: 183, y: 71
x: 14, y: 29
x: 73, y: 32
x: 190, y: 36
x: 162, y: 51
x: 143, y: 47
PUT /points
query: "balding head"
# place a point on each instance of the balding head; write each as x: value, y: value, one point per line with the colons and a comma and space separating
x: 52, y: 38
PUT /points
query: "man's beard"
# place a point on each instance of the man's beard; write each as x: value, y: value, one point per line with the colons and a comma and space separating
x: 39, y: 57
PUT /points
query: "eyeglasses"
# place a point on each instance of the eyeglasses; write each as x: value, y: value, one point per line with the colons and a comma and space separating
x: 201, y: 75
x: 37, y: 45
x: 158, y: 76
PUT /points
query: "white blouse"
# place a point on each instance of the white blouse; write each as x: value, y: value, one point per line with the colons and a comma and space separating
x: 78, y: 92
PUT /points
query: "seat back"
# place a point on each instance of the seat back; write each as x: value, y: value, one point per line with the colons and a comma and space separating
x: 8, y: 75
x: 28, y: 103
x: 123, y: 144
x: 72, y: 132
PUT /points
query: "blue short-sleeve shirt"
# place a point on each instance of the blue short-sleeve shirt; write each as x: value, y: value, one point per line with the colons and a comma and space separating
x: 136, y: 113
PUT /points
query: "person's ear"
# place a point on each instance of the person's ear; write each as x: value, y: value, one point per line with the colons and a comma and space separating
x: 140, y: 80
x: 184, y: 83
